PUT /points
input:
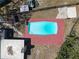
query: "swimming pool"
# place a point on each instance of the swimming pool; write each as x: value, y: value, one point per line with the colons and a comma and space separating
x: 42, y: 28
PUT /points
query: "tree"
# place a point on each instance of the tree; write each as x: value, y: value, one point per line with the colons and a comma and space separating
x: 70, y: 49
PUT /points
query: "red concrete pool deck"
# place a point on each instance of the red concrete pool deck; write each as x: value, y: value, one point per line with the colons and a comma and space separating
x: 57, y: 39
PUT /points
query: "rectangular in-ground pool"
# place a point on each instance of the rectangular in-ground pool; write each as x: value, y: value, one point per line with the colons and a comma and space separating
x: 42, y: 28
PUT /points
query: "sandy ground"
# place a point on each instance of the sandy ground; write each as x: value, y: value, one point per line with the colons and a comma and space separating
x: 44, y: 52
x: 50, y: 52
x: 44, y: 3
x: 76, y: 28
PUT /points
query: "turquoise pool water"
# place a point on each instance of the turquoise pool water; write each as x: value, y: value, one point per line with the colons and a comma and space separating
x: 42, y: 28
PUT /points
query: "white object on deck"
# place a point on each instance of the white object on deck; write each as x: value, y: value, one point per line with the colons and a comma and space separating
x: 62, y: 13
x: 67, y: 12
x: 12, y: 45
x: 24, y: 8
x: 71, y: 12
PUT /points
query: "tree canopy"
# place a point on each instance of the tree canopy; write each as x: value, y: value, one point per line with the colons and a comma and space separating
x: 70, y: 49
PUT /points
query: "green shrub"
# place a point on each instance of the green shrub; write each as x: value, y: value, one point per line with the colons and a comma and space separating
x: 70, y: 49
